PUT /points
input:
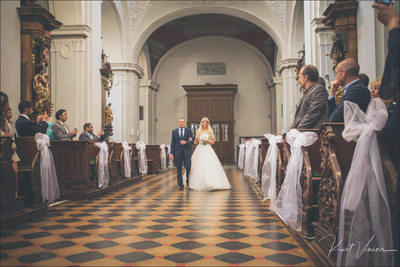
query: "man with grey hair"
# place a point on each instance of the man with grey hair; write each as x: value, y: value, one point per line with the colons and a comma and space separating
x: 347, y: 75
x: 311, y: 111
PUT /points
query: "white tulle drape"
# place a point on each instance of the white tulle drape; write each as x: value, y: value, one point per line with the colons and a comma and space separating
x: 141, y: 147
x: 48, y: 176
x: 241, y: 156
x: 127, y: 159
x: 364, y: 211
x: 288, y: 203
x: 246, y: 166
x: 252, y: 159
x: 103, y: 177
x: 269, y: 169
x: 163, y: 157
x: 171, y: 162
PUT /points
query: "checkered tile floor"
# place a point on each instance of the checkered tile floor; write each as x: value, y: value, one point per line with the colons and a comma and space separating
x: 153, y: 224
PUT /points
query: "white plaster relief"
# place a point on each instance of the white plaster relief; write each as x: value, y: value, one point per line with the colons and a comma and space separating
x: 136, y: 11
x: 278, y: 7
x: 67, y: 46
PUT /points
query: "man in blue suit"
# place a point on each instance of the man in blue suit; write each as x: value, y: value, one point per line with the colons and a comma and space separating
x: 354, y: 91
x: 181, y: 150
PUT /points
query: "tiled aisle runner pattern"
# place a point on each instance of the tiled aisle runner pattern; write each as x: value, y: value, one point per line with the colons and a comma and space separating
x: 154, y: 224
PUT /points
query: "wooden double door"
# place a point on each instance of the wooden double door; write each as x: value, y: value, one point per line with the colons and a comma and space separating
x: 216, y: 103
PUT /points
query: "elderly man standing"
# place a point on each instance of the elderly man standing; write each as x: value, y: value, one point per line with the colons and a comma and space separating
x: 311, y: 111
x: 347, y: 75
x: 60, y: 129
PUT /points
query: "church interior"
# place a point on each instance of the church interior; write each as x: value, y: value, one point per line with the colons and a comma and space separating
x: 130, y: 70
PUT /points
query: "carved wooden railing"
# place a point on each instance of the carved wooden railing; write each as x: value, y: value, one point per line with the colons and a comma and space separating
x: 310, y: 179
x: 336, y: 157
x: 283, y: 160
x: 262, y: 149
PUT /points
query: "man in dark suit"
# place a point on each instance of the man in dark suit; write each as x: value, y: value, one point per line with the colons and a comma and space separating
x: 311, y: 111
x: 354, y: 91
x: 181, y: 150
x: 88, y: 134
x: 390, y: 86
x: 60, y: 128
x: 24, y: 125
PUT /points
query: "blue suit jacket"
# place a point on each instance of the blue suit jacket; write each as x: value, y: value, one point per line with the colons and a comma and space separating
x: 357, y: 93
x: 176, y: 148
x: 27, y: 127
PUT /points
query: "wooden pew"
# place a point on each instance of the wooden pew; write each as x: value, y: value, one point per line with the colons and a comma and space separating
x: 113, y: 162
x: 153, y: 154
x: 29, y: 172
x: 94, y: 163
x: 135, y: 159
x: 10, y: 206
x: 74, y: 170
x: 310, y: 179
x: 336, y: 158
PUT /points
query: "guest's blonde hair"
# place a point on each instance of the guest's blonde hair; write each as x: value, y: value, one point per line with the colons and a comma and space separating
x: 207, y: 131
x: 376, y: 83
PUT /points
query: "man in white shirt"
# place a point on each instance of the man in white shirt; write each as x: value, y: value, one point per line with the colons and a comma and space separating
x: 60, y: 129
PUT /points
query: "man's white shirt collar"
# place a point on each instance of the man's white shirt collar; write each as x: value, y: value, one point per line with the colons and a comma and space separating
x: 24, y: 115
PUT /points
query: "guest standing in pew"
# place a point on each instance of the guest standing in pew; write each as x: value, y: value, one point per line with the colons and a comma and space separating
x: 311, y: 111
x: 48, y: 107
x: 6, y: 130
x: 390, y: 86
x: 347, y: 72
x: 364, y: 79
x: 24, y: 125
x: 88, y: 134
x: 60, y: 128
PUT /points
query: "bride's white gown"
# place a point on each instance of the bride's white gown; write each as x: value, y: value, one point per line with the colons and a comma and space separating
x: 206, y: 172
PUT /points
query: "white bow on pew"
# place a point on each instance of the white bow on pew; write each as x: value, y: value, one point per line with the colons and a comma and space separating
x: 140, y: 145
x: 127, y: 161
x: 269, y: 169
x: 103, y: 177
x: 171, y: 162
x: 48, y: 175
x: 364, y: 211
x: 163, y: 157
x: 253, y: 161
x: 247, y: 155
x: 288, y: 205
x: 241, y: 156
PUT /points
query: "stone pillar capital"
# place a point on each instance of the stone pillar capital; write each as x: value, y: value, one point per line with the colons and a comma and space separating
x: 128, y: 67
x: 288, y: 63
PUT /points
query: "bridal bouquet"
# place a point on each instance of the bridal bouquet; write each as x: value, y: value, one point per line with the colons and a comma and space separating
x: 203, y: 138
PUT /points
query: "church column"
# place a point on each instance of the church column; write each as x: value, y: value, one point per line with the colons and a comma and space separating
x: 323, y: 39
x: 275, y: 89
x: 290, y: 92
x: 126, y: 114
x: 69, y: 73
x: 147, y: 101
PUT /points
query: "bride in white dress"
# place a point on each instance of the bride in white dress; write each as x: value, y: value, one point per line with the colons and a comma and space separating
x: 206, y: 172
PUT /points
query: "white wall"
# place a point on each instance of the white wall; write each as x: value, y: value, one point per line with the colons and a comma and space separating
x: 371, y: 41
x: 244, y: 67
x: 11, y: 54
